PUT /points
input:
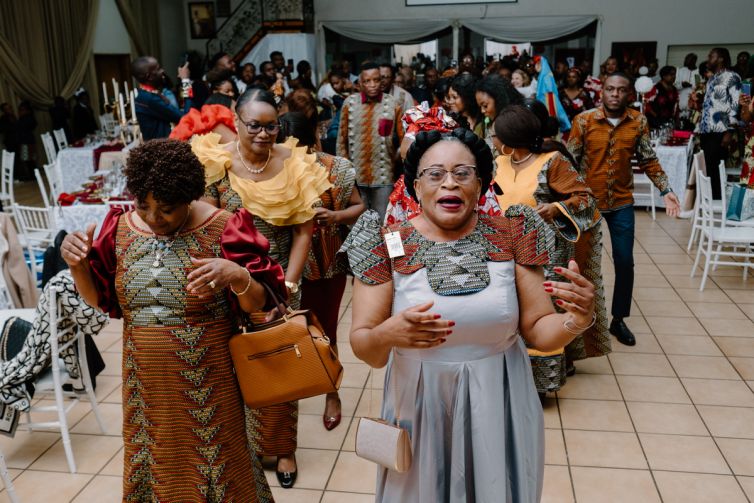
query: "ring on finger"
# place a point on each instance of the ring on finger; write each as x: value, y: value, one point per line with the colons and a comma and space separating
x: 212, y: 284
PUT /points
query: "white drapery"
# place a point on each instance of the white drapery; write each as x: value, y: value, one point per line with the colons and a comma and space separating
x: 527, y: 28
x: 404, y: 53
x: 296, y: 46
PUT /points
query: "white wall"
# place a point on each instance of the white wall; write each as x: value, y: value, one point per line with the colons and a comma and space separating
x: 110, y: 35
x: 669, y: 23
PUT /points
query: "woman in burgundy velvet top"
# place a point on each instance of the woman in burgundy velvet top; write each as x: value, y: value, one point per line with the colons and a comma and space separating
x: 179, y: 272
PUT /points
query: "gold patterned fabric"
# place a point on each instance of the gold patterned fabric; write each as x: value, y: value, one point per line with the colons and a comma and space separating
x: 183, y: 420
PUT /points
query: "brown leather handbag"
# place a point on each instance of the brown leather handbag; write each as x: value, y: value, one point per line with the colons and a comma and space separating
x: 285, y: 359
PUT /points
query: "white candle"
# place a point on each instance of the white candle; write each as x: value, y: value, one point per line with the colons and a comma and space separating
x: 116, y: 90
x: 104, y: 93
x: 122, y: 109
x: 125, y: 84
x: 133, y: 105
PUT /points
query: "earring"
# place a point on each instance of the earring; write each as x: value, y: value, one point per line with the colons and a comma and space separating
x: 502, y: 151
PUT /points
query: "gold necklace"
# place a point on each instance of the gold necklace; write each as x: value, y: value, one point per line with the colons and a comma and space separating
x: 253, y: 171
x: 522, y: 160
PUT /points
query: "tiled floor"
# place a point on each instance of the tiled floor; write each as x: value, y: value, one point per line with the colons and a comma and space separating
x: 671, y: 419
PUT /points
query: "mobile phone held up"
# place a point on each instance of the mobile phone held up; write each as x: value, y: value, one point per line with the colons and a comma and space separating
x: 746, y: 88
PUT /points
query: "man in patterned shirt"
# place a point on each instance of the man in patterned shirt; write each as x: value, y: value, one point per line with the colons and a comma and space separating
x: 603, y: 141
x: 719, y: 114
x: 369, y: 132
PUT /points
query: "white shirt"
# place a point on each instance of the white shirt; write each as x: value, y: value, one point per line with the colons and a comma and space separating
x: 682, y: 75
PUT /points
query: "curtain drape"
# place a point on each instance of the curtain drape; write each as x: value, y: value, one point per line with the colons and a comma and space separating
x: 142, y: 21
x: 46, y: 48
x: 387, y: 31
x: 527, y: 28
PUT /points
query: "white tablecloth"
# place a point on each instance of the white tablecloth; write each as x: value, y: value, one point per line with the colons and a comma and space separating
x: 76, y: 166
x: 79, y: 216
x: 675, y: 163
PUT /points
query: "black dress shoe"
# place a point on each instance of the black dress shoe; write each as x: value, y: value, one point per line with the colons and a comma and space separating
x: 619, y: 329
x: 286, y: 479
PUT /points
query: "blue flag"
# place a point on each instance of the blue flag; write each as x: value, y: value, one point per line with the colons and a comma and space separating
x: 547, y: 93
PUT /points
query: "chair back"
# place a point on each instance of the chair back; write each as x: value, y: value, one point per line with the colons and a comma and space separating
x: 55, y: 180
x: 35, y: 225
x: 705, y: 201
x: 107, y: 123
x: 6, y: 178
x: 42, y: 188
x: 700, y: 162
x: 49, y: 146
x: 60, y: 138
x: 723, y: 186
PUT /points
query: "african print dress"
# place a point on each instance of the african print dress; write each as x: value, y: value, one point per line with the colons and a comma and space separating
x: 277, y: 205
x: 552, y: 179
x: 470, y: 405
x: 183, y: 416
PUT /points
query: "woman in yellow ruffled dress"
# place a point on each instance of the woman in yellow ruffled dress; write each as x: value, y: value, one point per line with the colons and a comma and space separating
x: 277, y: 184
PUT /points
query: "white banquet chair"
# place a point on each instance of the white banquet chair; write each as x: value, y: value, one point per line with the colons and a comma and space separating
x: 37, y: 233
x: 42, y: 189
x: 717, y: 241
x: 107, y: 124
x: 642, y: 181
x: 698, y: 165
x: 6, y: 181
x: 55, y: 180
x: 60, y: 138
x: 49, y: 146
x: 7, y: 480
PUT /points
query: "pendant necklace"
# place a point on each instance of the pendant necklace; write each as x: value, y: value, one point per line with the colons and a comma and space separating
x: 253, y: 171
x: 161, y: 246
x: 522, y: 160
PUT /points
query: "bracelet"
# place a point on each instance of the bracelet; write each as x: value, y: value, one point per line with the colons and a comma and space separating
x: 571, y: 328
x: 248, y: 285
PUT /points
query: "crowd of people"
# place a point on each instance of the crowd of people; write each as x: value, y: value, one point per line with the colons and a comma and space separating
x: 470, y: 221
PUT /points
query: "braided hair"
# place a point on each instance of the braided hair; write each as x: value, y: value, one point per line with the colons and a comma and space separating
x: 426, y: 139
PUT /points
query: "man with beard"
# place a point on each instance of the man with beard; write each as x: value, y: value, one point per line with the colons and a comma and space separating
x: 603, y: 141
x: 153, y: 110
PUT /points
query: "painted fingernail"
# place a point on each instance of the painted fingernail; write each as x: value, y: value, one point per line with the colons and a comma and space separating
x: 450, y: 332
x: 437, y: 316
x: 559, y: 302
x: 442, y: 341
x: 548, y: 289
x: 451, y: 323
x: 557, y: 269
x: 547, y: 283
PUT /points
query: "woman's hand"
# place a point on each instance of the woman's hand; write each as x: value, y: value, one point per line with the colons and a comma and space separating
x: 575, y: 297
x: 76, y: 247
x: 214, y: 274
x: 547, y: 211
x: 416, y: 327
x: 323, y: 216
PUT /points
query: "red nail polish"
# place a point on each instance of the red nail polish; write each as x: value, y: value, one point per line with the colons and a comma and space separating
x: 437, y: 316
x: 559, y: 302
x: 548, y: 289
x: 451, y: 323
x: 450, y: 332
x: 547, y: 283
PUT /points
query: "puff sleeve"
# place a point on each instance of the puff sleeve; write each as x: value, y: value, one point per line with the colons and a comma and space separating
x: 532, y: 239
x: 104, y: 264
x: 366, y: 250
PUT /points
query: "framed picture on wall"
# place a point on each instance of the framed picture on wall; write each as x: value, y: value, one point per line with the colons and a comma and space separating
x: 202, y: 19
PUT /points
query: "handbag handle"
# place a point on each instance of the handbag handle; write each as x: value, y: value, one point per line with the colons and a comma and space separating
x: 281, y: 305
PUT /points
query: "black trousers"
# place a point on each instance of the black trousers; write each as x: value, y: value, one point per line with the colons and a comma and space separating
x: 621, y: 223
x: 714, y: 152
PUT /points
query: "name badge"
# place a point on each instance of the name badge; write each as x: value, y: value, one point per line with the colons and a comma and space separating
x: 394, y: 244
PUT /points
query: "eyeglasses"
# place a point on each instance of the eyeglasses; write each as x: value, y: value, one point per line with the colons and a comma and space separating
x: 256, y: 128
x: 461, y: 174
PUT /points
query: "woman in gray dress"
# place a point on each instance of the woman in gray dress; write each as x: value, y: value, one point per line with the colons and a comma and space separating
x: 446, y: 311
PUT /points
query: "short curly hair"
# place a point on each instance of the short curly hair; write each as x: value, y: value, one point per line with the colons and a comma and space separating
x: 426, y: 139
x: 168, y: 169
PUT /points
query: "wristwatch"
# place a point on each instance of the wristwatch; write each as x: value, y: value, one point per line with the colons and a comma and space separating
x: 292, y: 287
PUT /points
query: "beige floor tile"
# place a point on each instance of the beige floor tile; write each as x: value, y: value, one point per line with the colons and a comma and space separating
x: 555, y: 453
x: 652, y: 389
x: 557, y: 486
x: 676, y: 308
x: 314, y: 468
x: 115, y: 396
x: 729, y: 327
x: 345, y: 354
x: 353, y: 474
x: 338, y: 497
x: 683, y: 453
x: 591, y: 386
x: 744, y: 366
x: 599, y: 365
x: 645, y: 343
x: 648, y: 293
x: 703, y: 367
x: 748, y: 486
x: 641, y: 365
x: 90, y: 452
x: 354, y: 375
x: 370, y: 404
x: 102, y: 489
x: 104, y: 341
x: 105, y: 387
x: 349, y: 443
x: 667, y: 325
x: 604, y: 448
x: 376, y: 379
x: 601, y: 485
x: 349, y: 398
x: 34, y: 486
x: 743, y: 296
x: 312, y: 433
x: 115, y: 465
x: 747, y: 309
x: 698, y: 488
x: 708, y: 295
x: 112, y: 417
x: 637, y: 324
x: 727, y: 310
x: 551, y: 413
x: 113, y: 364
x: 739, y: 454
x: 684, y: 281
x: 692, y: 345
x: 668, y: 418
x: 296, y: 495
x: 719, y: 392
x: 596, y: 415
x: 21, y: 450
x: 75, y: 415
x: 733, y: 422
x: 13, y: 474
x: 736, y: 346
x: 735, y: 283
x: 653, y: 280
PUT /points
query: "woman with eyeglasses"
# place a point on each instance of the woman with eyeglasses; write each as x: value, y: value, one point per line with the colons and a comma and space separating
x: 278, y: 184
x: 539, y: 172
x: 445, y: 306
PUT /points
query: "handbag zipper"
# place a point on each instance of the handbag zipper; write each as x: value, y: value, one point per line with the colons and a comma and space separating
x: 293, y: 347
